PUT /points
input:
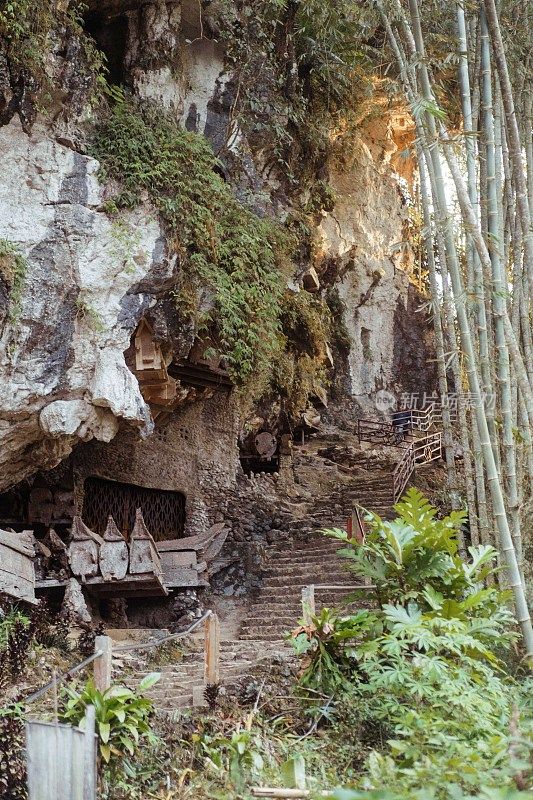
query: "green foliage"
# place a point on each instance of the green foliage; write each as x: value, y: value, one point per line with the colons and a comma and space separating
x: 29, y: 34
x: 297, y: 66
x: 300, y: 371
x: 237, y: 754
x: 416, y: 557
x: 12, y: 759
x: 122, y: 717
x: 326, y: 647
x: 220, y: 243
x: 21, y: 630
x: 89, y: 315
x: 13, y: 268
x: 15, y: 641
x: 424, y: 666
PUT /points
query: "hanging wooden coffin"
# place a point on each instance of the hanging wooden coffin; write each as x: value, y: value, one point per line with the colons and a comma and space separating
x: 144, y: 557
x: 84, y: 550
x: 114, y: 554
x: 17, y: 572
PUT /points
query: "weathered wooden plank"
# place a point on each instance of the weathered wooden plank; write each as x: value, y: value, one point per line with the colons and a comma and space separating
x: 114, y: 553
x: 214, y: 548
x: 58, y: 757
x: 180, y: 558
x: 212, y: 651
x: 197, y: 542
x: 21, y: 542
x: 175, y: 577
x: 102, y: 664
x: 17, y: 564
x: 17, y: 587
x: 17, y: 570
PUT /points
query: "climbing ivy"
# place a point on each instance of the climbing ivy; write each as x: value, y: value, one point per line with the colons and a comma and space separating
x: 298, y: 70
x: 300, y: 371
x: 13, y: 267
x: 31, y: 33
x: 220, y: 243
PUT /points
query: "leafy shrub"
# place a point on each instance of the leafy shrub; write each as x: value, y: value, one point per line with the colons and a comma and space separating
x: 220, y: 243
x: 425, y: 664
x: 296, y: 66
x: 236, y: 754
x: 416, y: 557
x: 15, y: 641
x: 326, y: 648
x: 122, y: 716
x: 29, y: 34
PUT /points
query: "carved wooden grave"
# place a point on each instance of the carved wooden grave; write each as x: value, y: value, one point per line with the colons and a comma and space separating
x: 114, y: 553
x: 17, y: 572
x: 185, y: 561
x: 143, y: 553
x: 84, y: 550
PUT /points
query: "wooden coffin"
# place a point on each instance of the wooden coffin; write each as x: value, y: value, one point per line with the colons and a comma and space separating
x: 83, y: 551
x: 144, y: 557
x: 17, y: 572
x: 180, y: 567
x: 114, y: 553
x: 184, y: 560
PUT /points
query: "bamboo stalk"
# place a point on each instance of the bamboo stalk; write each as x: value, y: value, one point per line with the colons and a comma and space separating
x: 506, y: 542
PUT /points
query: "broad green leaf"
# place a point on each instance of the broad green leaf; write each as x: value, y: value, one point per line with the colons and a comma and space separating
x: 105, y: 731
x: 149, y: 680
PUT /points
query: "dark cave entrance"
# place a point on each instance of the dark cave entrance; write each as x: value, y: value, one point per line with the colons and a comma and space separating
x: 163, y: 511
x: 111, y: 36
x: 252, y: 465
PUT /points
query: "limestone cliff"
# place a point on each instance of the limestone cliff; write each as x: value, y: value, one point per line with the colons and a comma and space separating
x: 87, y: 277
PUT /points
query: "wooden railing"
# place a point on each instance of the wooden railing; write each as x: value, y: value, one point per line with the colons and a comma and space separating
x: 399, y: 429
x: 421, y: 419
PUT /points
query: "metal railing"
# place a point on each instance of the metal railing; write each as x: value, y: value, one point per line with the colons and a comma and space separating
x: 421, y: 451
x: 309, y: 595
x: 380, y: 432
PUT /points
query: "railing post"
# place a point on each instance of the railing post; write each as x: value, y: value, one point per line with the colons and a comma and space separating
x: 102, y: 664
x: 89, y: 750
x: 308, y: 604
x: 212, y: 651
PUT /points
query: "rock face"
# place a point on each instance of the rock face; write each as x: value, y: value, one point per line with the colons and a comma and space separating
x: 90, y: 278
x: 61, y: 355
x: 364, y: 234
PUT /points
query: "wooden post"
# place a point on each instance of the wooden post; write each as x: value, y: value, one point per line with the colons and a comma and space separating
x: 89, y: 775
x: 102, y: 664
x: 212, y: 650
x: 308, y: 603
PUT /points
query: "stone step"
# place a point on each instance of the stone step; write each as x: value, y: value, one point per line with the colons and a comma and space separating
x: 285, y: 589
x: 304, y: 568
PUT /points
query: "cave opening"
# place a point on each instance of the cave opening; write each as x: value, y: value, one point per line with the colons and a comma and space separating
x: 252, y: 465
x: 163, y: 511
x: 111, y: 36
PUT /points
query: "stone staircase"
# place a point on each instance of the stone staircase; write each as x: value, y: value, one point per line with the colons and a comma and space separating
x: 308, y: 559
x: 301, y: 556
x: 181, y: 683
